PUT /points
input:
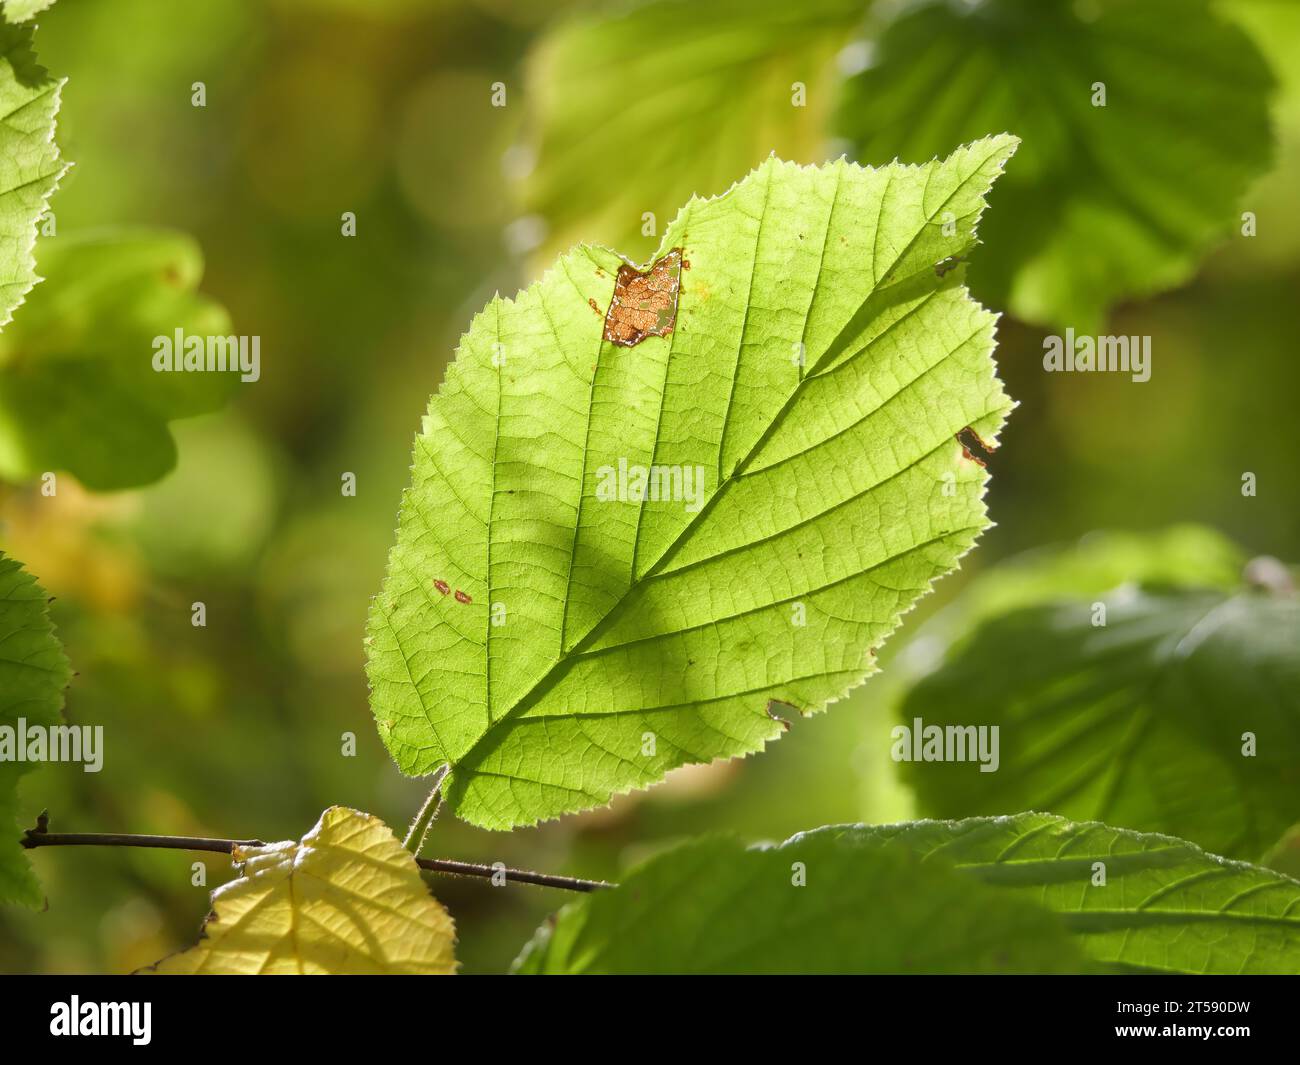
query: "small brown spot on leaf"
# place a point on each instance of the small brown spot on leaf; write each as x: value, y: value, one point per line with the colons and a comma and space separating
x: 594, y: 306
x: 442, y: 586
x: 644, y: 303
x: 461, y: 597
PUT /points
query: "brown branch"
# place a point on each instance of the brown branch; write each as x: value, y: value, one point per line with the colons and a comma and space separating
x: 40, y: 836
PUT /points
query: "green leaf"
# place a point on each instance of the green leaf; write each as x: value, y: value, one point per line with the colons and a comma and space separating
x: 607, y: 641
x: 1099, y: 562
x: 33, y: 674
x: 346, y: 900
x: 78, y: 390
x: 1142, y: 721
x: 934, y: 897
x: 1106, y: 202
x: 22, y: 10
x: 30, y: 164
x: 637, y: 111
x: 1165, y: 905
x: 713, y: 906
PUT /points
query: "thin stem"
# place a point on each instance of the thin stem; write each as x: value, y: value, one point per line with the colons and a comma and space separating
x: 420, y: 826
x: 517, y: 876
x: 41, y: 837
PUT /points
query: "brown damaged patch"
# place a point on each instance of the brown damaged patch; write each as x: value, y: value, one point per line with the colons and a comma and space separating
x: 644, y: 303
x: 970, y: 440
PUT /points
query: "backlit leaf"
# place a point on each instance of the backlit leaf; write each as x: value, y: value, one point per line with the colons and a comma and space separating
x: 30, y: 164
x: 553, y: 638
x: 347, y: 899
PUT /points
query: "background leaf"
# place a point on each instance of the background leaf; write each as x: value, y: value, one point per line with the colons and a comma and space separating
x: 1284, y: 855
x: 640, y: 637
x: 1107, y: 202
x: 348, y: 899
x: 1166, y: 905
x: 1139, y: 721
x: 639, y: 110
x: 714, y: 906
x: 78, y: 391
x: 30, y: 165
x: 33, y: 674
x: 1099, y: 562
x: 934, y: 896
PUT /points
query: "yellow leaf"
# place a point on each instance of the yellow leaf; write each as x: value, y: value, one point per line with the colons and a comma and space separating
x: 348, y: 899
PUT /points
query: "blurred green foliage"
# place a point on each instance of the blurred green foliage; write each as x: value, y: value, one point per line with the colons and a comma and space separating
x: 75, y: 393
x: 319, y: 107
x: 33, y: 673
x: 1137, y: 716
x: 1138, y: 142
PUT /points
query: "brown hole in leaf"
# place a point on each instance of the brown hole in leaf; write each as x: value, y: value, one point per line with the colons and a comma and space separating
x: 969, y: 440
x: 644, y: 302
x: 773, y: 705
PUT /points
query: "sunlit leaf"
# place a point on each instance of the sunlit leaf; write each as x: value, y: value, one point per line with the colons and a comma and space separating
x: 22, y: 10
x: 30, y: 164
x: 347, y: 900
x: 554, y: 639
